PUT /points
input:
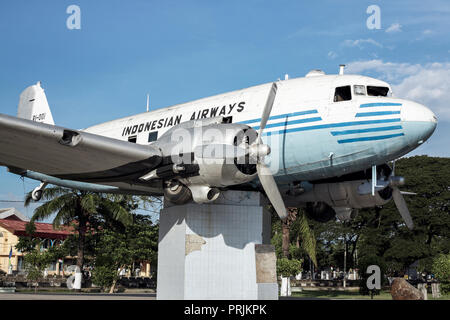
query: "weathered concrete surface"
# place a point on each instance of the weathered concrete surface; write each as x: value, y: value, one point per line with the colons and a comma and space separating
x: 402, y: 290
x: 266, y: 263
x: 210, y: 251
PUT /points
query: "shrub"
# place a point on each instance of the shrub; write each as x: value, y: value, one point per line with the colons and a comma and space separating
x: 287, y: 268
x: 441, y: 270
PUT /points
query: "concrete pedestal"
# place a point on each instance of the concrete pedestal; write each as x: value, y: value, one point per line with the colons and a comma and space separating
x: 217, y: 251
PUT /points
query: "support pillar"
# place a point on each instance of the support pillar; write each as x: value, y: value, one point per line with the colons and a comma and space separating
x: 218, y: 251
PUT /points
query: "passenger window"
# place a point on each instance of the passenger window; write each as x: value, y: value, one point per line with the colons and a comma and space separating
x: 377, y: 91
x: 132, y: 139
x: 359, y: 90
x: 153, y: 136
x: 343, y: 94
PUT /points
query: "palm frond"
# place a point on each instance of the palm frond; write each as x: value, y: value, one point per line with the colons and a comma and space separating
x: 65, y: 215
x: 52, y: 206
x: 89, y: 202
x: 307, y: 236
x: 48, y: 194
x: 119, y: 213
x: 28, y: 199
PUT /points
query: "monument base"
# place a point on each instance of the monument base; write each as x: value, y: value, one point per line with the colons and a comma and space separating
x: 217, y: 251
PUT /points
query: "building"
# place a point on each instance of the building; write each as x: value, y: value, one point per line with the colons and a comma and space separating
x: 12, y: 225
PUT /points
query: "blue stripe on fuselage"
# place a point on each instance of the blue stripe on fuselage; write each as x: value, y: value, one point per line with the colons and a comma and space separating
x: 376, y: 113
x: 332, y: 125
x: 281, y: 124
x: 371, y: 138
x: 280, y: 116
x: 338, y: 133
x: 380, y: 104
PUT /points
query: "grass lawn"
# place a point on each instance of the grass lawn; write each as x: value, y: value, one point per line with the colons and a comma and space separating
x: 384, y: 295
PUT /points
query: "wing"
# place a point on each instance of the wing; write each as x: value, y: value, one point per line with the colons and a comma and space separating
x: 72, y: 154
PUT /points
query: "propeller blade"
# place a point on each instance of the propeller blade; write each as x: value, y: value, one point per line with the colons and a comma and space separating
x: 270, y: 187
x: 402, y: 207
x: 267, y: 109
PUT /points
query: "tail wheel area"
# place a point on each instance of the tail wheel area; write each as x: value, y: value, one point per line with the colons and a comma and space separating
x: 177, y: 193
x: 36, y: 195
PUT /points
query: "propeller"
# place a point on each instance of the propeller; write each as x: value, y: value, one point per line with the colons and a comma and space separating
x: 259, y: 151
x: 399, y: 201
x: 393, y: 182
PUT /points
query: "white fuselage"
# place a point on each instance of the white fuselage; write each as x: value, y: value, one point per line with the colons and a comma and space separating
x: 311, y: 136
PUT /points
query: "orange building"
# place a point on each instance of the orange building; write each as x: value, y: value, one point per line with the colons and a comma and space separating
x: 12, y: 225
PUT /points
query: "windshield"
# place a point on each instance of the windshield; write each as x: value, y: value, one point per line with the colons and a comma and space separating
x: 377, y: 91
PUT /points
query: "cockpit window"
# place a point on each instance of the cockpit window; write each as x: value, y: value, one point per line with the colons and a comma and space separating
x: 343, y: 94
x: 377, y: 91
x: 359, y: 90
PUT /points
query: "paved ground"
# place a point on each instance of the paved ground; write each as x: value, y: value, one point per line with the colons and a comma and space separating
x: 76, y: 296
x: 98, y: 296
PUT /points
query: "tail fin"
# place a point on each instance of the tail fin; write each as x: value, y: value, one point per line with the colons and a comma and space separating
x: 33, y: 105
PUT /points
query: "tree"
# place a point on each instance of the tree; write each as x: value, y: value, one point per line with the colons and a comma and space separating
x: 121, y: 248
x: 441, y: 269
x: 36, y: 260
x: 79, y: 209
x: 381, y: 232
x: 288, y: 268
x: 301, y: 235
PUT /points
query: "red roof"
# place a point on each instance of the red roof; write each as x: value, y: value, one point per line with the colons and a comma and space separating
x: 43, y: 230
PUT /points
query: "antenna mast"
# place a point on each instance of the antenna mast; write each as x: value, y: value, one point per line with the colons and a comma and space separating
x: 148, y: 100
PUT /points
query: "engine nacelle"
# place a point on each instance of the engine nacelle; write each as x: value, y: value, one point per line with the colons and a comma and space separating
x: 345, y: 195
x: 211, y: 145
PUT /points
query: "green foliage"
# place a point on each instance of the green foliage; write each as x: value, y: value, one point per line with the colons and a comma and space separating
x: 28, y: 243
x: 287, y: 267
x: 36, y: 261
x: 381, y: 231
x: 308, y: 240
x: 302, y: 238
x: 441, y: 270
x: 118, y: 249
x: 104, y: 275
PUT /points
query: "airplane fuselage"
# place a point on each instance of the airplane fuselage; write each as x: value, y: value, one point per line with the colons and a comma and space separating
x: 321, y: 126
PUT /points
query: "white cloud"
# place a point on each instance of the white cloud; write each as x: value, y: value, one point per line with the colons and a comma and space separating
x: 428, y: 84
x: 396, y: 27
x: 427, y: 31
x: 361, y: 42
x: 332, y: 55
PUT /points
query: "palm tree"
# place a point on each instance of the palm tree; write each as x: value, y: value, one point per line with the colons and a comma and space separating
x: 305, y: 233
x: 79, y: 207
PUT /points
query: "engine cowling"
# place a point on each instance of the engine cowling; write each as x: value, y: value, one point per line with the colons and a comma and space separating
x: 345, y: 195
x: 210, y: 146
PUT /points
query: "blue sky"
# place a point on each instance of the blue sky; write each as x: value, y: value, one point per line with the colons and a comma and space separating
x: 183, y: 50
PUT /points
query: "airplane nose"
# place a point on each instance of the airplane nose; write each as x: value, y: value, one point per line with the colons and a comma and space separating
x: 420, y: 122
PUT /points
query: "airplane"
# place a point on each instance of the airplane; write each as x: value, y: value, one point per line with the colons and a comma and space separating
x: 321, y: 142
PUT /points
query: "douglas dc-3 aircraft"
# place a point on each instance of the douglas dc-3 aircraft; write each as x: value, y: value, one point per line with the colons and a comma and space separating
x: 321, y: 142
